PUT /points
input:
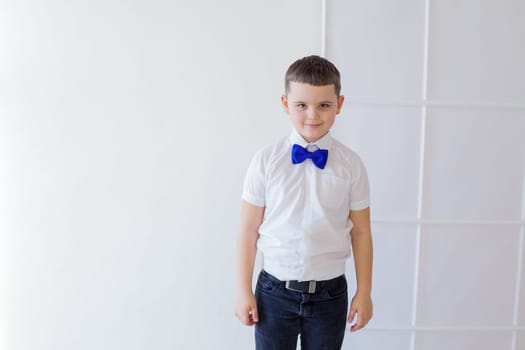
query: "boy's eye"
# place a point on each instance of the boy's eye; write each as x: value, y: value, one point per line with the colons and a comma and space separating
x: 300, y: 106
x: 325, y: 105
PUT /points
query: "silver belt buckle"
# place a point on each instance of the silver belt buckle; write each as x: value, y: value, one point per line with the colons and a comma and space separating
x: 311, y: 287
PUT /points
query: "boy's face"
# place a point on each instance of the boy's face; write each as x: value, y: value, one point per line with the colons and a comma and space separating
x: 312, y: 109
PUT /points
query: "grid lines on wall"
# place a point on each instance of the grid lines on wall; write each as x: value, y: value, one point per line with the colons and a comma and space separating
x: 440, y: 131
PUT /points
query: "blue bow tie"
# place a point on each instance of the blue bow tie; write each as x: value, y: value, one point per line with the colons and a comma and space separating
x: 319, y: 157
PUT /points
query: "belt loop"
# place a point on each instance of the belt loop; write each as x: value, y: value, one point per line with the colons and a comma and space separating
x: 311, y: 287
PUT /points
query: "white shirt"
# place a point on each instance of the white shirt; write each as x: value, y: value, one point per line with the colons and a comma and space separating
x: 305, y: 233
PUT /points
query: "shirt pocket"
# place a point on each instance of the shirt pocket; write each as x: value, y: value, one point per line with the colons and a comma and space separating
x: 334, y: 192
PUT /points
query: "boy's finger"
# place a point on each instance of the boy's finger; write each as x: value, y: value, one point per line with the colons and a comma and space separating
x: 352, y: 315
x: 254, y: 314
x: 357, y: 326
x: 245, y: 318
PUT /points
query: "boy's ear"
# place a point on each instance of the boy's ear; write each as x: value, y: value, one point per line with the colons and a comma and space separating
x: 284, y: 101
x: 340, y: 102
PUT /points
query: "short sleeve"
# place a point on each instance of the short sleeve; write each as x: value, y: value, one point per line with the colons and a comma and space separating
x: 254, y: 182
x: 360, y: 190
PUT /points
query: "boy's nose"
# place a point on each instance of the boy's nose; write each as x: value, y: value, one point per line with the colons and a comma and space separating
x: 312, y: 113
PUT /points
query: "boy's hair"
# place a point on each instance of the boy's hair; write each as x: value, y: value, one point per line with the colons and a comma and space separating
x: 313, y: 70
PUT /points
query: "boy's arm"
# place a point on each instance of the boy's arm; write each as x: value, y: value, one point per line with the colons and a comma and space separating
x: 363, y: 254
x: 251, y: 219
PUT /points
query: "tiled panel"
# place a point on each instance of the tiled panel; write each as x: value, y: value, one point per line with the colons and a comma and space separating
x: 388, y: 141
x: 394, y: 257
x: 476, y: 51
x: 467, y: 275
x: 474, y: 163
x: 378, y: 47
x: 521, y: 312
x: 365, y: 340
x: 464, y: 340
x: 520, y: 340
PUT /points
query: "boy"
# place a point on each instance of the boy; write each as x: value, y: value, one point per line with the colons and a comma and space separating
x: 305, y: 207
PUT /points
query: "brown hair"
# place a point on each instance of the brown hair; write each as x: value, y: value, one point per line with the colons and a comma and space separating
x: 313, y: 70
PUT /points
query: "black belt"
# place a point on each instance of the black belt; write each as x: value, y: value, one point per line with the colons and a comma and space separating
x: 310, y: 287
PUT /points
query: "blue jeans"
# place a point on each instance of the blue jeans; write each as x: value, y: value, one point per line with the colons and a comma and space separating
x: 319, y: 319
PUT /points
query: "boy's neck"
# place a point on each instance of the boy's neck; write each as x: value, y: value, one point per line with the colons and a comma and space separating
x: 311, y: 140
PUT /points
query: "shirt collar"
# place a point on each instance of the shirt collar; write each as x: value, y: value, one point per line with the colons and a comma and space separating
x: 324, y: 142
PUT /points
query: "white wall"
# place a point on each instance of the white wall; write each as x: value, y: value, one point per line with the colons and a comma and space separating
x: 435, y: 96
x: 126, y: 128
x: 125, y: 132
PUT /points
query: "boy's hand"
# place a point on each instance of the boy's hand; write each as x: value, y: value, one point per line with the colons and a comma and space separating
x: 246, y: 309
x: 362, y: 306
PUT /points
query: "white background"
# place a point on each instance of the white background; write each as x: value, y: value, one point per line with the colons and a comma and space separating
x: 126, y: 129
